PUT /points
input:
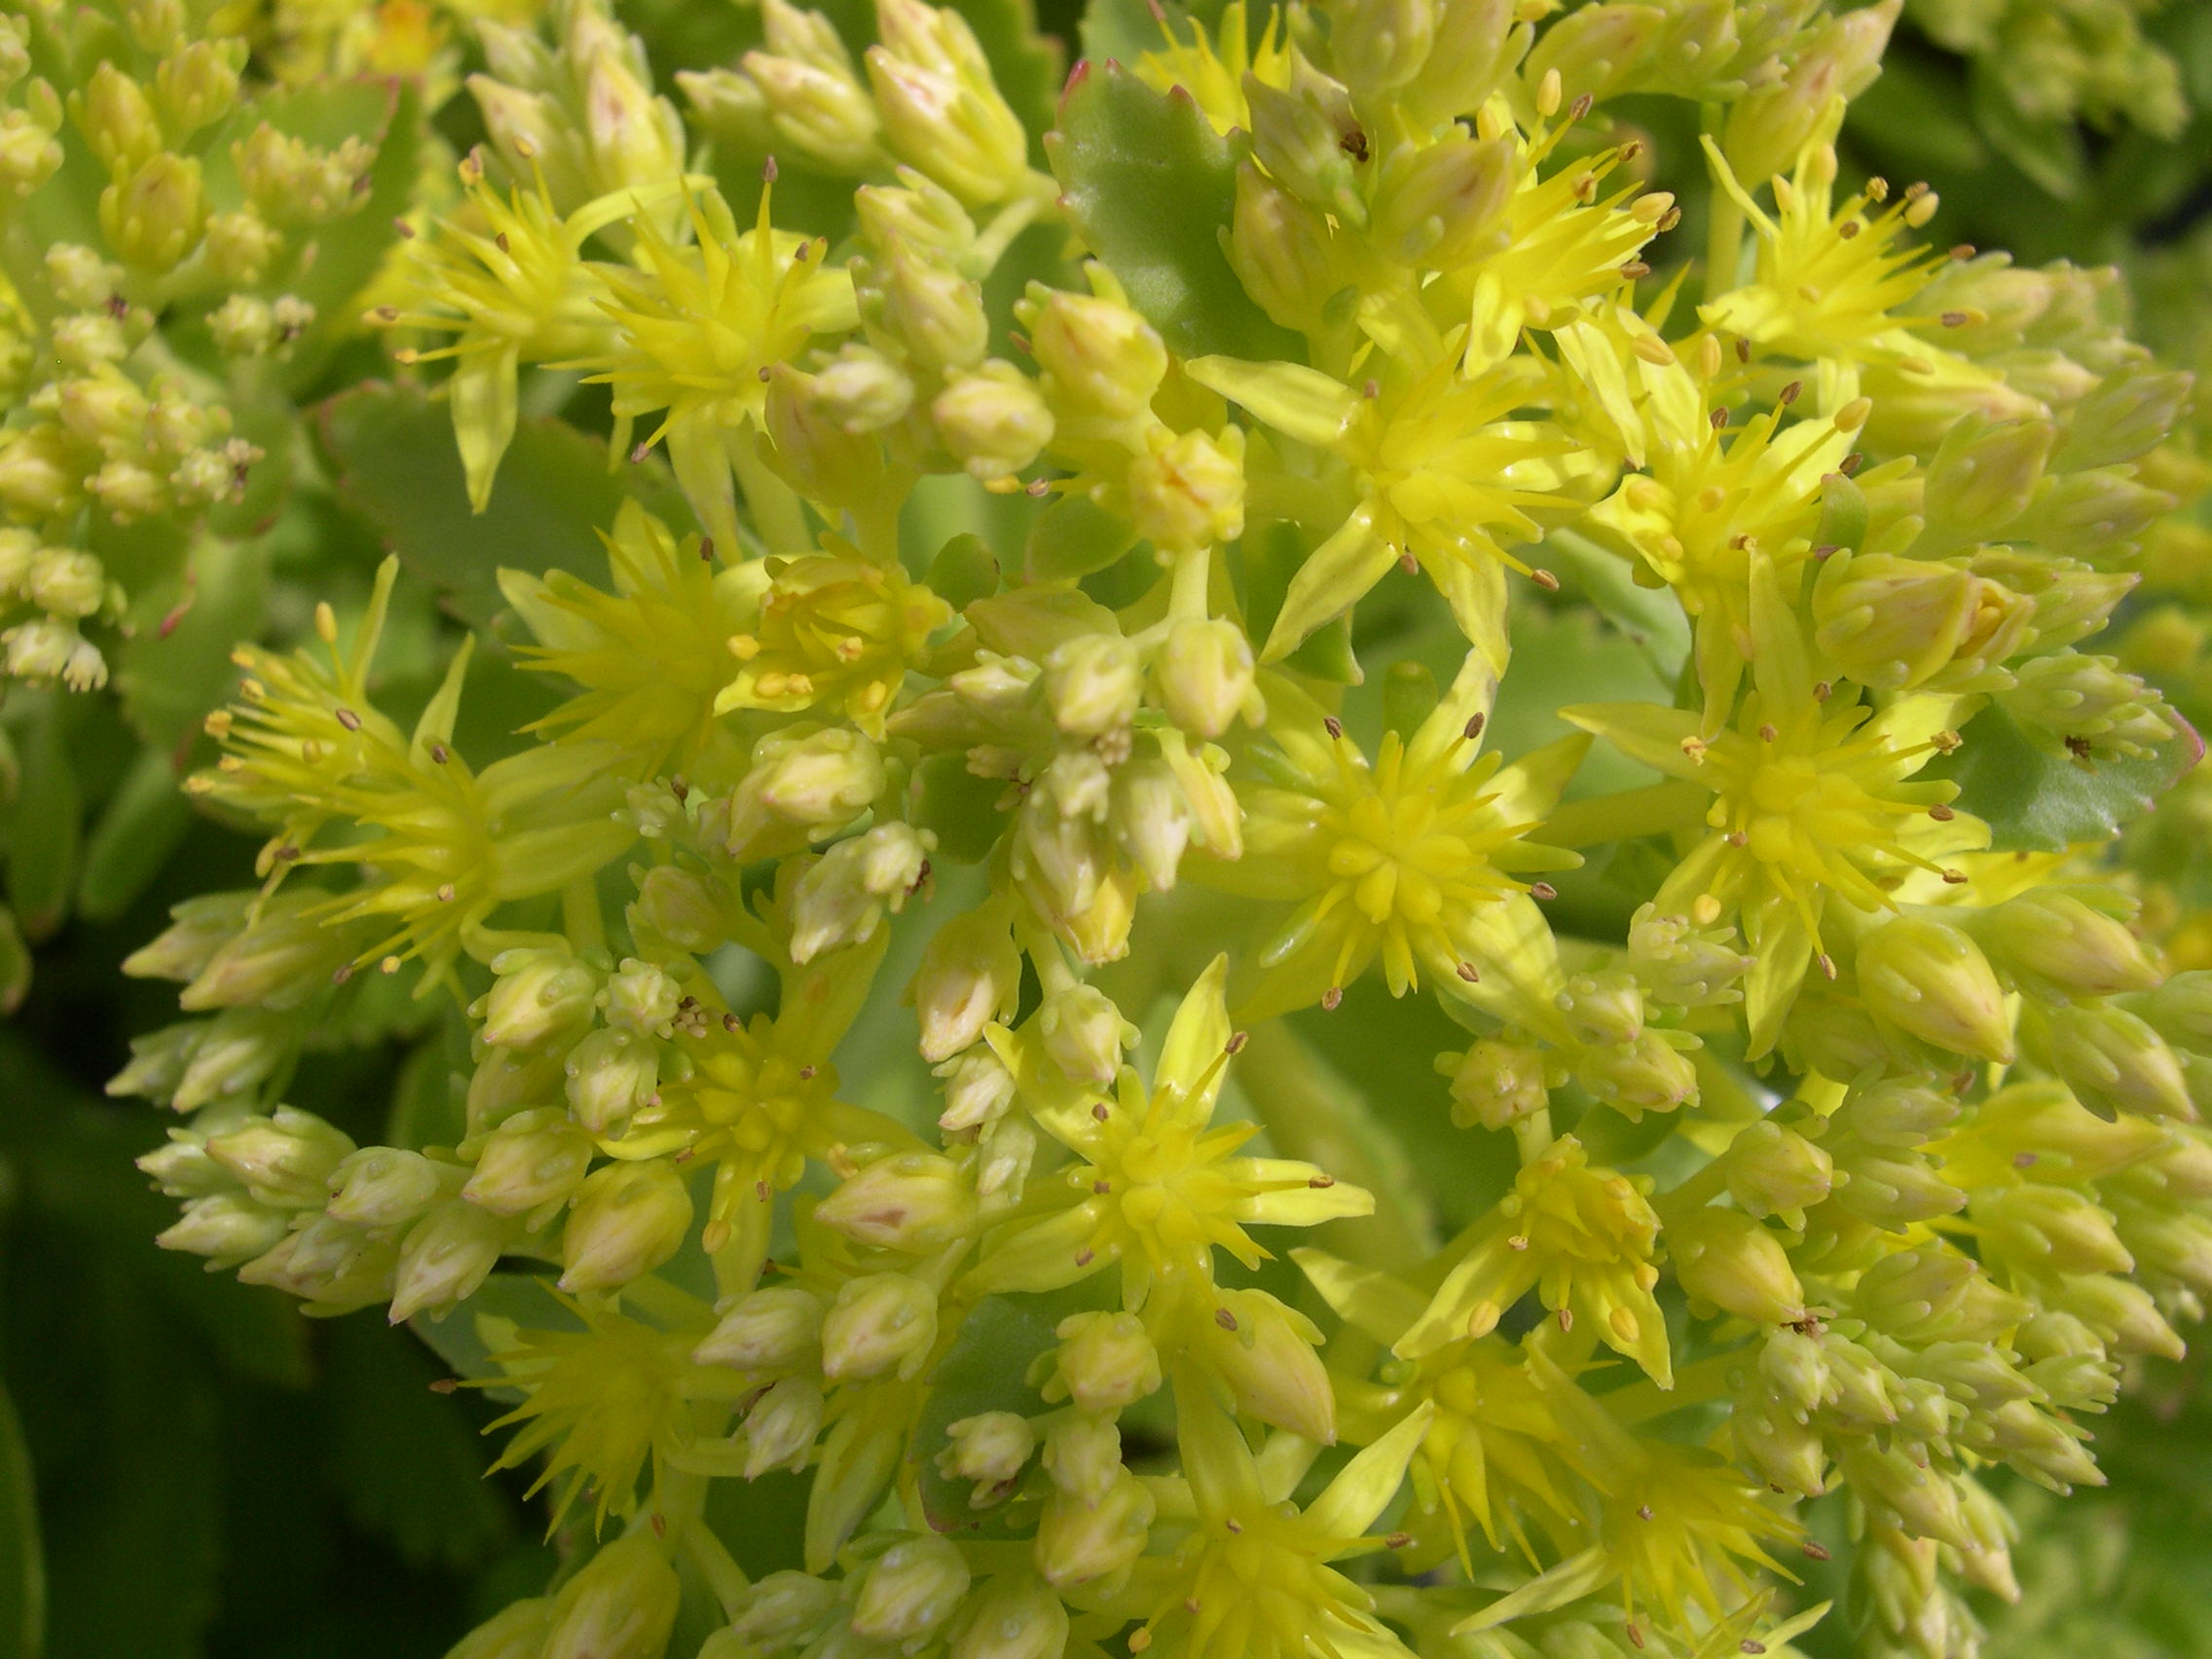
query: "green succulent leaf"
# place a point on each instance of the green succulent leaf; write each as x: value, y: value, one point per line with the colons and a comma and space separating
x: 2036, y: 801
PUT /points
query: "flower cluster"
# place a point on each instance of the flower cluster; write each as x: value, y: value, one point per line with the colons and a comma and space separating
x: 1322, y: 574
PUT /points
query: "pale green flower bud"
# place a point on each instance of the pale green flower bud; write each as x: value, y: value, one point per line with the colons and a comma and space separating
x: 862, y: 389
x: 534, y: 1158
x: 2181, y: 1011
x: 1603, y: 1009
x: 628, y: 1219
x: 1105, y: 1362
x: 1917, y: 1497
x: 2067, y: 1362
x: 780, y: 1430
x: 779, y: 1609
x: 1984, y: 476
x: 2036, y: 1442
x: 770, y: 1330
x: 728, y: 108
x: 813, y: 97
x: 1768, y: 125
x: 941, y: 109
x: 1281, y: 251
x: 1084, y: 1033
x: 1083, y: 1456
x: 2041, y: 1120
x: 64, y: 582
x: 1474, y: 43
x: 2095, y: 515
x: 690, y: 909
x: 640, y: 997
x: 1265, y: 1355
x: 152, y: 217
x: 1444, y: 205
x: 989, y: 1449
x: 278, y: 961
x: 2063, y: 945
x: 2129, y: 412
x: 118, y: 119
x: 612, y: 1074
x: 1595, y: 50
x: 917, y: 214
x: 1093, y: 683
x: 2049, y: 1230
x: 636, y: 139
x: 1014, y: 1616
x: 911, y: 1590
x: 993, y: 421
x: 971, y: 975
x: 2113, y: 1061
x: 1794, y: 1368
x: 1496, y: 1084
x: 879, y: 1324
x: 1151, y: 820
x: 1097, y: 355
x: 1378, y: 44
x: 935, y: 312
x: 198, y: 928
x: 1079, y: 1543
x: 1187, y: 491
x: 199, y: 84
x: 841, y: 898
x: 1928, y: 980
x: 516, y: 1631
x: 2089, y: 705
x: 334, y: 1265
x: 1205, y: 673
x: 1788, y: 1451
x: 1726, y: 1258
x: 507, y: 1080
x: 1892, y: 623
x: 45, y: 648
x: 446, y: 1256
x: 386, y: 1186
x: 621, y: 1606
x: 541, y: 998
x: 157, y: 1062
x: 801, y: 785
x: 81, y: 278
x: 240, y: 247
x: 227, y: 1228
x: 127, y: 491
x: 1309, y: 136
x: 811, y: 449
x: 1648, y: 1074
x: 1935, y: 1294
x: 293, y: 182
x: 40, y: 477
x: 915, y: 1202
x: 29, y: 153
x: 1773, y: 1170
x: 1006, y: 1149
x: 977, y: 1090
x: 181, y: 1167
x: 2118, y: 1311
x: 285, y: 1158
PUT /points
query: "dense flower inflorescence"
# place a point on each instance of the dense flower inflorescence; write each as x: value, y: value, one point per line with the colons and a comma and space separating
x: 1129, y: 595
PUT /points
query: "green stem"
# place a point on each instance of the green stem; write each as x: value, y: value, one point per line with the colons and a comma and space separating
x: 1694, y: 1384
x: 1313, y: 1115
x: 1724, y: 244
x: 581, y: 918
x: 1653, y: 810
x: 774, y: 504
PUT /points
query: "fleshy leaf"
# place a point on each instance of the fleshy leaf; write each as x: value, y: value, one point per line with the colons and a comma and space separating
x: 2036, y: 801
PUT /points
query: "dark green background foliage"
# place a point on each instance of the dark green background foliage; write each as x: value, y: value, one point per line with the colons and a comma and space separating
x: 191, y: 1468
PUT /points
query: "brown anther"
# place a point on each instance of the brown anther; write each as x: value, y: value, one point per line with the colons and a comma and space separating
x: 1767, y: 734
x: 1852, y: 463
x: 1473, y: 729
x: 661, y: 1526
x: 2023, y: 1161
x: 768, y: 170
x: 1954, y: 878
x: 1517, y: 1242
x: 637, y: 454
x: 1084, y: 1258
x: 499, y: 241
x: 806, y: 1074
x: 444, y: 1386
x: 2078, y: 747
x: 1320, y: 1183
x: 1102, y: 1187
x: 1542, y: 890
x: 762, y: 1191
x: 1849, y: 229
x: 1580, y: 107
x: 1791, y: 392
x: 1737, y: 839
x: 439, y: 754
x: 1822, y: 691
x: 1965, y: 250
x: 1469, y: 973
x: 706, y: 548
x: 1634, y: 269
x: 1100, y: 1112
x: 1941, y: 814
x: 1223, y: 1317
x: 1545, y: 580
x: 1333, y: 727
x: 1232, y: 1524
x: 445, y: 893
x: 288, y: 853
x: 1355, y: 144
x: 686, y: 1155
x: 1398, y: 1540
x: 730, y: 1022
x: 1668, y: 221
x: 1331, y: 997
x: 1814, y: 1552
x: 1236, y: 1042
x: 1719, y: 420
x: 680, y: 788
x: 1827, y: 965
x: 348, y: 719
x: 1635, y: 1636
x: 1953, y: 319
x: 1371, y: 388
x: 1643, y: 1512
x: 403, y: 229
x: 342, y: 973
x: 1748, y: 1646
x: 1567, y: 1319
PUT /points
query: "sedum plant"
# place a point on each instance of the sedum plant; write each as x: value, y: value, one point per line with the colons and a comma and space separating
x: 1419, y: 621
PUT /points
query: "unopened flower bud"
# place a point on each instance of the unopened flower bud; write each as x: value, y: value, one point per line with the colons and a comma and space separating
x: 1083, y: 1456
x: 770, y: 1330
x: 1084, y: 1033
x: 1496, y: 1083
x: 1187, y: 491
x: 1648, y: 1074
x: 2181, y: 1011
x: 1891, y: 622
x: 198, y: 84
x: 2043, y: 1229
x: 1093, y: 683
x: 1769, y: 124
x: 911, y: 1590
x: 862, y: 389
x: 842, y: 898
x: 541, y: 998
x: 1794, y: 1368
x: 1100, y: 356
x: 814, y: 98
x: 117, y: 119
x: 1773, y: 1171
x: 2120, y: 1310
x: 1105, y: 1362
x: 640, y: 996
x: 1281, y: 251
x: 621, y: 1606
x: 2127, y: 413
x: 978, y: 1089
x: 1725, y: 1257
x: 942, y: 111
x: 1985, y: 475
x: 2113, y: 1061
x: 801, y: 785
x: 384, y: 1186
x: 690, y: 909
x: 1443, y: 204
x: 1015, y: 1616
x: 628, y: 1219
x: 286, y: 1159
x: 610, y: 1074
x: 2064, y: 946
x: 1928, y: 980
x: 1265, y: 1354
x: 915, y: 1202
x: 971, y: 975
x: 2087, y: 702
x: 516, y: 1631
x: 781, y: 1427
x: 935, y: 311
x: 152, y: 217
x: 1603, y: 1009
x: 1079, y: 1543
x: 1308, y: 136
x: 2095, y: 515
x: 240, y: 247
x: 991, y: 1450
x: 446, y: 1256
x: 777, y: 1610
x: 880, y: 1323
x: 198, y: 928
x: 812, y: 451
x: 1205, y: 673
x: 227, y: 1228
x: 993, y: 421
x: 533, y: 1158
